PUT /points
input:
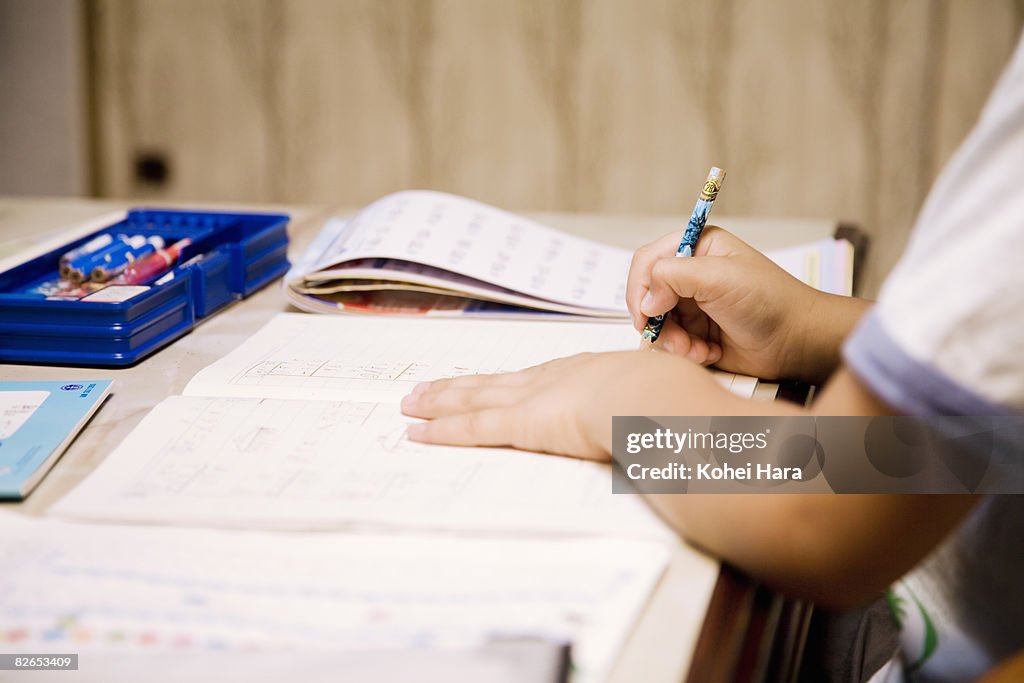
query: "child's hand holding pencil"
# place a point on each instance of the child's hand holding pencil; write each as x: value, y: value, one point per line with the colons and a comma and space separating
x: 732, y: 307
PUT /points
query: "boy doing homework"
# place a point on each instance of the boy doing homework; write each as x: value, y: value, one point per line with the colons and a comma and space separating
x: 945, y: 338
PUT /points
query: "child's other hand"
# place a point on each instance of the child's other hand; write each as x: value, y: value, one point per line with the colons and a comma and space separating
x: 564, y: 406
x: 729, y: 305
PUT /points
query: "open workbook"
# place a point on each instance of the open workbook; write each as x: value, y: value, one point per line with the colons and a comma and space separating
x: 424, y: 252
x: 300, y: 427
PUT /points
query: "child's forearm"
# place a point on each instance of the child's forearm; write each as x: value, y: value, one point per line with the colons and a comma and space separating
x: 825, y: 548
x: 829, y: 320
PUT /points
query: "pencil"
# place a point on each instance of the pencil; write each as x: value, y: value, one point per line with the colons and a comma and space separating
x: 688, y: 243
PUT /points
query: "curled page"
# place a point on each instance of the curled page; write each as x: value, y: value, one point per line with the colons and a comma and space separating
x: 459, y: 244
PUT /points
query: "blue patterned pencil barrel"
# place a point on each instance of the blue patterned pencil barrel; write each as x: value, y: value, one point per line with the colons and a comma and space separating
x: 688, y: 243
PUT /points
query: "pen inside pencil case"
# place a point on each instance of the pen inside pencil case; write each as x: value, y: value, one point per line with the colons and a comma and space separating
x: 102, y: 256
x: 119, y: 260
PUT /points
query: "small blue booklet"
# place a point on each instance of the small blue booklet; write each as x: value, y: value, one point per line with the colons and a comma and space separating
x: 37, y: 422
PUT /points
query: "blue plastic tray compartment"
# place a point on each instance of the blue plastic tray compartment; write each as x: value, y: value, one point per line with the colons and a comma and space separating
x: 240, y: 253
x: 214, y: 282
x: 97, y: 333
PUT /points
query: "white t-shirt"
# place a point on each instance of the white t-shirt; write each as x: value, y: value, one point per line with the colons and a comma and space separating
x: 947, y: 338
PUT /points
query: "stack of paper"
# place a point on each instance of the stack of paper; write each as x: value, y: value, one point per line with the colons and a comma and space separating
x: 826, y: 264
x: 105, y: 589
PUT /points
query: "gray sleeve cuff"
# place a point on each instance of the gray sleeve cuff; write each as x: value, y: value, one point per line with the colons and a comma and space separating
x: 904, y: 383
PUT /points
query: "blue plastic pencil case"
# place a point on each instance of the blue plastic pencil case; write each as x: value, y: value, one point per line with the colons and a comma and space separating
x: 231, y: 256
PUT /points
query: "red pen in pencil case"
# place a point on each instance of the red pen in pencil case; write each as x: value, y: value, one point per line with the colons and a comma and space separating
x: 157, y: 263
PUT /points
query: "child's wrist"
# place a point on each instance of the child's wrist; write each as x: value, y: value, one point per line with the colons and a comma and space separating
x: 828, y: 320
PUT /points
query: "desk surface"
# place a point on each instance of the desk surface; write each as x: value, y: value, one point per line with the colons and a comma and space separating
x: 662, y: 643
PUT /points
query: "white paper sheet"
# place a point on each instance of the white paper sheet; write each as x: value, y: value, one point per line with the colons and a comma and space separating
x: 102, y: 589
x: 342, y: 358
x: 316, y: 464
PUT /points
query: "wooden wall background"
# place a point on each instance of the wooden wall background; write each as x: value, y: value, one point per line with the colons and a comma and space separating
x: 816, y: 109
